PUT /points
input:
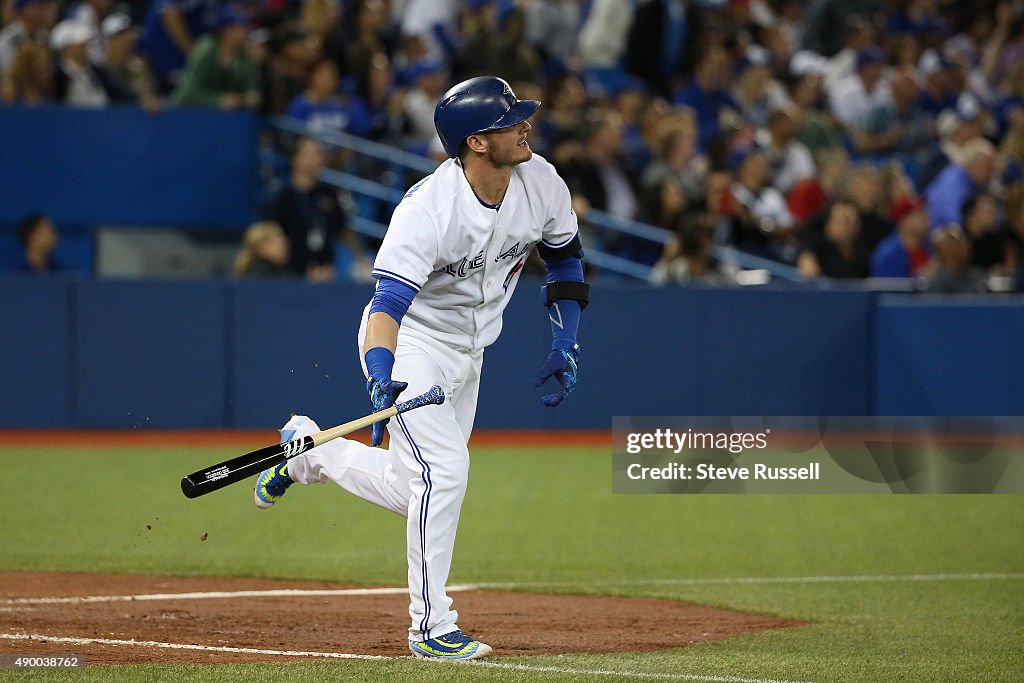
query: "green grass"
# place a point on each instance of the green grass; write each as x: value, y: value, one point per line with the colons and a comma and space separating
x: 547, y: 517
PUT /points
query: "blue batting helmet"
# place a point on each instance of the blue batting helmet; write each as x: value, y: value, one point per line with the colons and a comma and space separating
x: 477, y: 105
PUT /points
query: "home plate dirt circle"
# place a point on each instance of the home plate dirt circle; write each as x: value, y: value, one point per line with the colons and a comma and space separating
x: 514, y: 623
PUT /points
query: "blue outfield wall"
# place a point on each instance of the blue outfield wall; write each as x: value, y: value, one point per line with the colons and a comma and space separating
x: 94, y: 166
x: 937, y: 357
x: 137, y: 354
x: 150, y: 355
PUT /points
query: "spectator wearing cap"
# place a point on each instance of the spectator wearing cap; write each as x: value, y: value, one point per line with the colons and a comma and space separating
x: 29, y: 80
x: 707, y: 93
x: 38, y: 239
x: 903, y: 254
x: 899, y: 125
x: 33, y: 21
x: 860, y: 91
x: 839, y: 252
x: 761, y: 221
x: 127, y: 76
x: 789, y: 159
x: 91, y: 13
x: 949, y: 192
x: 169, y: 33
x: 319, y: 107
x: 952, y: 272
x: 428, y: 82
x: 220, y: 71
x: 76, y: 81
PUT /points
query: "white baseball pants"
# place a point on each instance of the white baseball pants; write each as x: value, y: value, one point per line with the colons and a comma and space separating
x: 423, y: 474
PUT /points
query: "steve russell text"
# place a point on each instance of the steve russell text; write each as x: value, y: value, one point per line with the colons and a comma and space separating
x: 708, y: 471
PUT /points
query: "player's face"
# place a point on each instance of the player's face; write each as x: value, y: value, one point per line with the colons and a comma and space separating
x: 508, y: 146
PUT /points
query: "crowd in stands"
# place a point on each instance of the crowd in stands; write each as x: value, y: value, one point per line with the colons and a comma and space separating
x: 847, y: 138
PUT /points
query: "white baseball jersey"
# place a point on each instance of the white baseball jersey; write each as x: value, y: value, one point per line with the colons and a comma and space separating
x: 464, y: 257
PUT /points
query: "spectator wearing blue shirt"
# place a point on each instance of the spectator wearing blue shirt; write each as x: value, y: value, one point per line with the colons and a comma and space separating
x: 958, y: 182
x: 319, y: 106
x: 375, y: 110
x: 903, y: 254
x: 707, y: 93
x: 169, y: 32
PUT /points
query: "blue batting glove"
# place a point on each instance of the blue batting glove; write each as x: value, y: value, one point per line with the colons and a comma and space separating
x: 382, y: 389
x: 383, y: 393
x: 562, y: 364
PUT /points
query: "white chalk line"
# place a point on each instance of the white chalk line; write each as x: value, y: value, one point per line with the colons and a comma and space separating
x: 344, y: 655
x: 213, y: 595
x: 757, y: 580
x: 396, y: 590
x: 182, y: 646
x: 626, y: 674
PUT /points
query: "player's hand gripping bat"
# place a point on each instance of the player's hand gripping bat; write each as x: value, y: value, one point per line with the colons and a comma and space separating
x: 236, y: 469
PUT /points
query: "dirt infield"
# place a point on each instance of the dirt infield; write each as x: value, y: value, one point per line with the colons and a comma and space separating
x: 353, y: 623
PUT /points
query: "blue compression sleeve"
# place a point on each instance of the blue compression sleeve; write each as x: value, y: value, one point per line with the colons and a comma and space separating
x: 392, y: 297
x: 564, y: 313
x: 566, y: 270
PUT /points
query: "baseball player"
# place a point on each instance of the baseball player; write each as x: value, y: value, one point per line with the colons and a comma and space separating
x: 450, y: 261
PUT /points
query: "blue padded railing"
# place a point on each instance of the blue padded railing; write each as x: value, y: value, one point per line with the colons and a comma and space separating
x: 401, y: 162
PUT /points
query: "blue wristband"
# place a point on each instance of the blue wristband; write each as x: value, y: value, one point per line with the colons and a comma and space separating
x: 379, y: 362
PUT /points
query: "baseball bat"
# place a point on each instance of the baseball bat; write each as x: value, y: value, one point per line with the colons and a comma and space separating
x: 236, y: 469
